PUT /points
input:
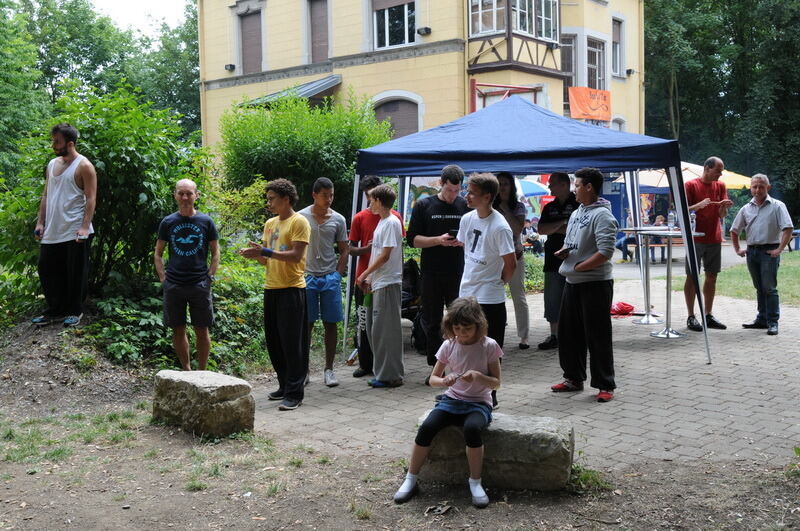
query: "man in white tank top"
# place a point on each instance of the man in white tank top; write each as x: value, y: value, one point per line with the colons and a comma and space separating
x: 65, y: 228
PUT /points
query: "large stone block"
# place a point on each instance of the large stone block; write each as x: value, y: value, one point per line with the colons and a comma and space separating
x: 519, y: 453
x: 204, y: 402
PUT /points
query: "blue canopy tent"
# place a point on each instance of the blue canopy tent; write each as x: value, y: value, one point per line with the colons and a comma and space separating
x: 519, y: 137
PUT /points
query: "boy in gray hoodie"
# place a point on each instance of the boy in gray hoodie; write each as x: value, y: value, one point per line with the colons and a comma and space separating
x: 585, y: 317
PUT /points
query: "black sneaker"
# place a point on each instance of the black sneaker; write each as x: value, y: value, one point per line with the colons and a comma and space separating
x: 548, y: 344
x: 712, y: 322
x: 288, y: 404
x: 360, y: 373
x: 275, y: 395
x: 693, y: 324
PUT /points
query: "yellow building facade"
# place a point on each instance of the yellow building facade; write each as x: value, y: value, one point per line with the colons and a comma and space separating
x: 422, y: 63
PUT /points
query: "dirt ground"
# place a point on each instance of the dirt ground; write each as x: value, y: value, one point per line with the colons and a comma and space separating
x: 77, y: 450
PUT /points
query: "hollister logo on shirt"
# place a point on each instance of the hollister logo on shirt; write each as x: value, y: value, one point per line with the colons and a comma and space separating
x: 187, y: 239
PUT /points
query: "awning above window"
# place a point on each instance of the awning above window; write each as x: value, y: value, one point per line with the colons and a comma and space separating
x: 306, y: 90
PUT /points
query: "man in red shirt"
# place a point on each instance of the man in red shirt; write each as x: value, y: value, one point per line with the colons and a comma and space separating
x: 361, y: 231
x: 708, y: 199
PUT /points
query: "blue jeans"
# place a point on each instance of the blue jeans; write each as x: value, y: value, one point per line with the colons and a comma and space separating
x: 622, y: 245
x: 764, y: 272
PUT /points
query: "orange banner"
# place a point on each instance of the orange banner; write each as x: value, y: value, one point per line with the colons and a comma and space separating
x: 590, y: 104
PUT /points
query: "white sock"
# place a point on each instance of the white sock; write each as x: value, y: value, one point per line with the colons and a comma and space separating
x: 476, y: 489
x: 408, y: 484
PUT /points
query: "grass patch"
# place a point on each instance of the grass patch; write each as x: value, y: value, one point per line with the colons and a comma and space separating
x: 151, y: 454
x: 112, y: 417
x: 360, y: 512
x: 371, y: 478
x: 275, y: 488
x: 26, y: 445
x: 122, y: 436
x: 736, y: 282
x: 85, y: 362
x: 118, y: 498
x: 304, y: 448
x: 128, y: 414
x: 215, y: 471
x: 794, y: 469
x: 75, y: 417
x: 39, y: 421
x: 142, y: 405
x: 58, y: 454
x: 195, y: 485
x: 295, y: 462
x: 324, y: 460
x: 6, y: 477
x: 583, y: 479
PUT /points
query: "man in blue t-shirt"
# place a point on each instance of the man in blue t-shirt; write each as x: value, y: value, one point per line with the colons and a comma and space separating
x: 188, y: 276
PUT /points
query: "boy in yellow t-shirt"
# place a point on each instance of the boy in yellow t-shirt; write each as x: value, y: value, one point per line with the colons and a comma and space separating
x: 283, y: 255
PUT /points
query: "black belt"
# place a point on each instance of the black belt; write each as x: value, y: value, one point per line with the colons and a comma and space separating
x: 763, y: 246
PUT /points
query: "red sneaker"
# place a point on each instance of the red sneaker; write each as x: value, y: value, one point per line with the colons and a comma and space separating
x: 605, y: 396
x: 567, y: 386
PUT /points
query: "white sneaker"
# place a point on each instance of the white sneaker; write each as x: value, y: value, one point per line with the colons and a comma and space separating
x: 330, y: 378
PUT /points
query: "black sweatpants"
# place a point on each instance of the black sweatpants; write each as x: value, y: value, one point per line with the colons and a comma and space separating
x: 585, y: 323
x: 365, y: 356
x: 286, y: 332
x: 496, y: 316
x: 438, y: 291
x: 64, y: 274
x: 438, y: 419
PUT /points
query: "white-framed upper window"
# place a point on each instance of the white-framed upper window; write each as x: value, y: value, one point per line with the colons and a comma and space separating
x: 394, y: 23
x: 595, y: 64
x: 547, y: 20
x: 617, y: 63
x: 522, y: 16
x: 487, y: 16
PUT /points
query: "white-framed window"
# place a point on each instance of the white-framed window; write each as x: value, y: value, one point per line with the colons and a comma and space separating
x: 617, y: 62
x: 487, y: 16
x: 568, y: 66
x: 394, y: 23
x: 522, y: 16
x: 547, y: 20
x: 595, y: 64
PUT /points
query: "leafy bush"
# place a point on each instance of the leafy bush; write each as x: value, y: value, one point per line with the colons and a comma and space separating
x: 129, y: 326
x: 293, y: 140
x: 138, y: 154
x: 534, y: 276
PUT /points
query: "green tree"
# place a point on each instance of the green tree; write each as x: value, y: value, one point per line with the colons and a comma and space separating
x: 23, y: 106
x: 74, y: 42
x: 296, y: 141
x: 170, y: 74
x: 769, y: 131
x: 139, y: 155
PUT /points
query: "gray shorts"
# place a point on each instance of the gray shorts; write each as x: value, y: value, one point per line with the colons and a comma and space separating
x: 553, y: 293
x: 708, y: 254
x: 196, y: 296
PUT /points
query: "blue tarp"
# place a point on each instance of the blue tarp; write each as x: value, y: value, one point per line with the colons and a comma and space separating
x: 520, y: 137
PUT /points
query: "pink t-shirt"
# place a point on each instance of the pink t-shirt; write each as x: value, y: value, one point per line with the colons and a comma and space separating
x: 462, y: 358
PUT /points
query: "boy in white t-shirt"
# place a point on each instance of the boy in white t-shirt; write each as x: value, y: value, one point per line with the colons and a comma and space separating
x: 489, y: 258
x: 383, y: 280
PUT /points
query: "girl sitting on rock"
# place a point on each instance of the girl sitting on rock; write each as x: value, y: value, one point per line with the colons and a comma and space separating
x: 474, y: 371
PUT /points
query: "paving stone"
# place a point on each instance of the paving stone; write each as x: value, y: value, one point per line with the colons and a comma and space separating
x: 663, y: 386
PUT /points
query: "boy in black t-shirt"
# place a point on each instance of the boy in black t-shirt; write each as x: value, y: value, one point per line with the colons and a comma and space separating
x: 188, y: 276
x: 434, y: 223
x: 553, y: 223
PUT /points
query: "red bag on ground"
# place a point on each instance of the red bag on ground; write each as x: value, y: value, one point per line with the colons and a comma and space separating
x: 621, y: 308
